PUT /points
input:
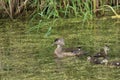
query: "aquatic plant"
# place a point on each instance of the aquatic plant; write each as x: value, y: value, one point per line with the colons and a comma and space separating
x: 47, y: 9
x: 13, y: 7
x: 115, y: 13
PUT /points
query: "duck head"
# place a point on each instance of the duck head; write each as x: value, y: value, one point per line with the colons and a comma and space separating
x: 59, y: 41
x: 106, y: 49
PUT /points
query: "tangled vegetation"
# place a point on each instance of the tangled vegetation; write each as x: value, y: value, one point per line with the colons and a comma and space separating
x: 46, y: 9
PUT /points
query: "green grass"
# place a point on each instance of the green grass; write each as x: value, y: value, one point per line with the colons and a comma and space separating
x: 29, y: 55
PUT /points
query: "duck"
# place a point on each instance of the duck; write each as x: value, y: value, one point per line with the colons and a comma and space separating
x: 103, y: 61
x: 61, y: 52
x: 95, y: 60
x: 103, y: 52
x: 115, y: 63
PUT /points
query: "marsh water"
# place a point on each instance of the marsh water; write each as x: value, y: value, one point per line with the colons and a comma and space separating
x: 26, y: 52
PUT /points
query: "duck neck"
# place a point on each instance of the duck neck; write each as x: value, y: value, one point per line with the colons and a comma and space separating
x: 58, y: 50
x: 105, y: 51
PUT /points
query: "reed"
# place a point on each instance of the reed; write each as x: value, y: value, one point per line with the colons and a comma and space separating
x: 115, y: 13
x: 13, y: 7
x: 73, y: 8
x: 47, y: 9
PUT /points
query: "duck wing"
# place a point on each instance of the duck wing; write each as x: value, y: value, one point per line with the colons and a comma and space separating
x: 73, y: 49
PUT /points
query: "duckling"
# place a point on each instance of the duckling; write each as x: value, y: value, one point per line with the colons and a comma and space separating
x: 95, y: 60
x: 103, y: 52
x: 114, y: 64
x: 104, y: 61
x: 60, y: 52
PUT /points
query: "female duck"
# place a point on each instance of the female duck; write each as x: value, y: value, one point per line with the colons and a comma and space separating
x: 60, y: 52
